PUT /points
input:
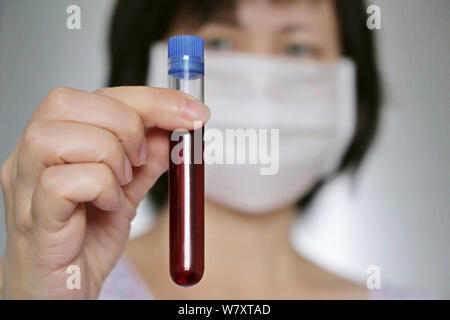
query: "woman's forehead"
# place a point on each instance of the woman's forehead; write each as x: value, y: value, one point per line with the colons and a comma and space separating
x: 274, y: 14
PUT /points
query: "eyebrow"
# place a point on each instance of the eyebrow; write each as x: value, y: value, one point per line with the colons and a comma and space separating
x: 291, y: 27
x: 295, y: 26
x: 227, y: 19
x: 227, y: 16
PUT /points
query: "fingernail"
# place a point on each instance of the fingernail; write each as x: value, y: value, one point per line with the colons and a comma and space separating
x: 122, y: 197
x: 195, y: 110
x: 143, y: 154
x: 128, y: 170
x: 122, y: 201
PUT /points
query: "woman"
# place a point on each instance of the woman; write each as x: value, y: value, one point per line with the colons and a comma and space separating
x: 86, y: 160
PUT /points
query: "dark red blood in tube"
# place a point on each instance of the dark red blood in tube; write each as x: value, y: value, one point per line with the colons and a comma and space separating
x: 186, y: 196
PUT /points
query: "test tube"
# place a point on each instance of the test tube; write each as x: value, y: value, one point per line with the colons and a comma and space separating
x: 186, y: 169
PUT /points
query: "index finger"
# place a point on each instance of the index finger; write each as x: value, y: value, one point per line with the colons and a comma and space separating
x: 160, y: 107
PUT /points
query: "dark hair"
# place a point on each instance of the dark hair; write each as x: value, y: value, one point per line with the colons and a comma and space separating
x: 136, y: 24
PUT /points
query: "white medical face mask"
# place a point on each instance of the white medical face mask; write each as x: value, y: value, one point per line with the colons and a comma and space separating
x: 312, y: 104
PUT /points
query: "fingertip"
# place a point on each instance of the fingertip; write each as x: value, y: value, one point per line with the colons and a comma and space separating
x: 194, y: 110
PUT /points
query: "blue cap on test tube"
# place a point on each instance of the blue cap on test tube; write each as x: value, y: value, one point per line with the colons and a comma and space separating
x: 185, y: 45
x: 186, y: 53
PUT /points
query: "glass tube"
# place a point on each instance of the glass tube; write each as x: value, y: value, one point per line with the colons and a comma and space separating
x: 186, y: 184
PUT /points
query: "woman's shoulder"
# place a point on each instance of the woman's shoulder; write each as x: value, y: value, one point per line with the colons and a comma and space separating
x: 125, y: 283
x: 328, y: 285
x: 134, y: 271
x: 315, y: 282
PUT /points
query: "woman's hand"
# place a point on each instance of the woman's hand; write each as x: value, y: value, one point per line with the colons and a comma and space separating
x: 70, y: 190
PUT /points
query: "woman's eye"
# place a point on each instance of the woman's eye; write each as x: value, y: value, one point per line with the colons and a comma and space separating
x: 218, y: 44
x: 300, y: 50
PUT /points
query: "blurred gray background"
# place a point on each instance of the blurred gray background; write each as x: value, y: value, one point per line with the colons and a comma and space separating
x: 395, y: 213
